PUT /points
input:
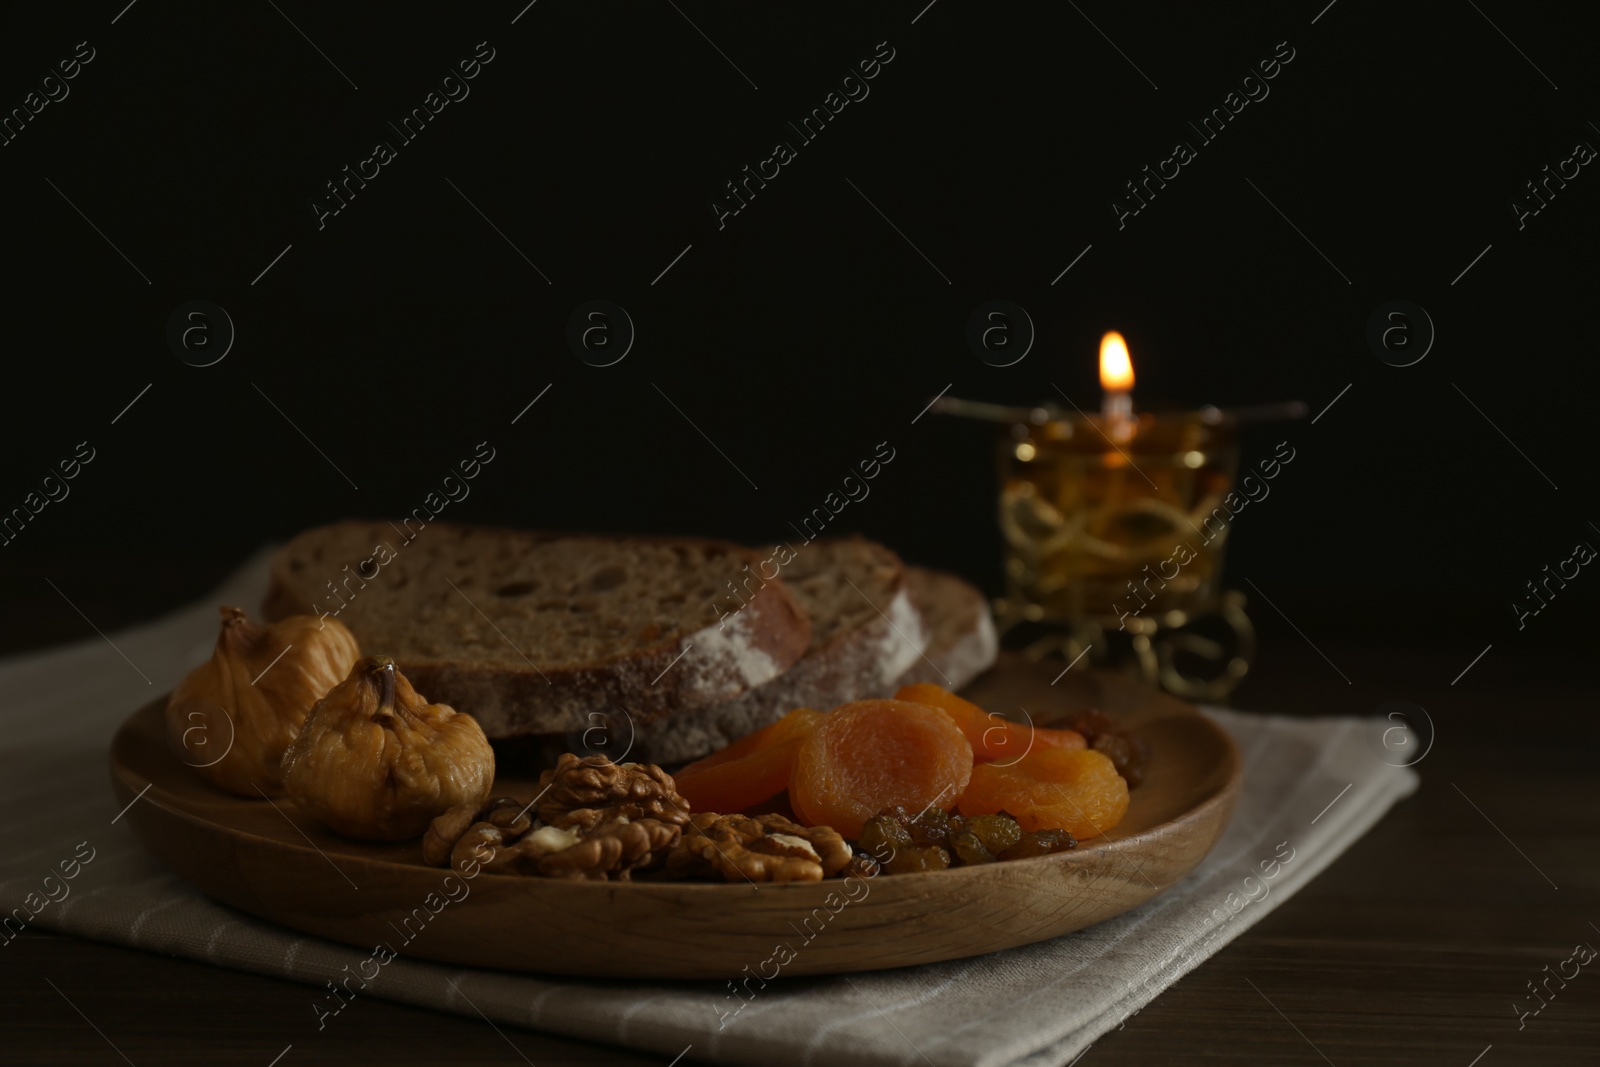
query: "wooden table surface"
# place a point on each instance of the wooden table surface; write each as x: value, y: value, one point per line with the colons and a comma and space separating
x: 1411, y: 948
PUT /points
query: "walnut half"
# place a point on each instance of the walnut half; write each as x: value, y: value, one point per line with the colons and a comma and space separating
x: 593, y: 843
x: 485, y: 845
x: 592, y: 790
x: 506, y: 814
x: 759, y: 848
x: 445, y: 831
x: 611, y: 851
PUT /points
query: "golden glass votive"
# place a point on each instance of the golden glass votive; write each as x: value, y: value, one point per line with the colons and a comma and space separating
x: 1120, y: 522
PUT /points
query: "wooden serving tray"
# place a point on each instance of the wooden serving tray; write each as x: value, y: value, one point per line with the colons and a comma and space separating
x: 272, y: 861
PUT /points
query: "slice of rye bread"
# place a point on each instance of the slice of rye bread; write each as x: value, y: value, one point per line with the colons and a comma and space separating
x: 865, y: 634
x: 530, y: 632
x: 963, y: 643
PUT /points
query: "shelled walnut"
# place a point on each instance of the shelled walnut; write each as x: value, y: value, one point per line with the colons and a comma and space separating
x: 612, y: 851
x: 499, y: 837
x: 485, y: 846
x: 445, y: 831
x: 510, y: 814
x: 588, y: 791
x: 600, y: 821
x: 759, y: 848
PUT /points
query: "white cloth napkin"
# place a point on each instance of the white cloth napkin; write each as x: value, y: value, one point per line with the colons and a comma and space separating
x: 1312, y: 787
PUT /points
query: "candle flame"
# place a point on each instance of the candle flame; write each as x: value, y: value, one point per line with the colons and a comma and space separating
x: 1116, y: 369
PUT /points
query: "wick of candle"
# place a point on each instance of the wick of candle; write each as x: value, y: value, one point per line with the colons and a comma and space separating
x: 1116, y: 410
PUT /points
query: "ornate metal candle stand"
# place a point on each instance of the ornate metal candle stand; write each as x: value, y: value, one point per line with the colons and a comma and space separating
x: 1114, y: 534
x: 1199, y: 653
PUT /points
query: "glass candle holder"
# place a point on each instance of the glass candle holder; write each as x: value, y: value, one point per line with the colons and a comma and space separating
x: 1110, y: 519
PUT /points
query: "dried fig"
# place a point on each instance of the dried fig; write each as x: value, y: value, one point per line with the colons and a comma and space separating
x: 233, y: 717
x: 377, y: 762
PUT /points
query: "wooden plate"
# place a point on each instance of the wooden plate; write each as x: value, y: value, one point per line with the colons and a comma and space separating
x: 274, y: 862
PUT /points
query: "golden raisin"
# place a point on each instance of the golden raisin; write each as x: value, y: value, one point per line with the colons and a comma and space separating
x: 1129, y: 754
x: 883, y: 837
x: 968, y: 849
x: 914, y: 860
x: 1039, y: 843
x: 997, y: 832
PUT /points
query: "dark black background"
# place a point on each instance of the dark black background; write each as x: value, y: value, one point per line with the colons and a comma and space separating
x: 807, y: 330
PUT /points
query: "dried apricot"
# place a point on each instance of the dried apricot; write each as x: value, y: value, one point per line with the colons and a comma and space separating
x: 873, y: 754
x: 753, y: 769
x: 795, y: 724
x: 1077, y: 791
x: 991, y: 737
x: 777, y: 805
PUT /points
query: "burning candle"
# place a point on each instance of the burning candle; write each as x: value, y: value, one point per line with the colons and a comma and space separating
x: 1116, y: 378
x: 1115, y: 524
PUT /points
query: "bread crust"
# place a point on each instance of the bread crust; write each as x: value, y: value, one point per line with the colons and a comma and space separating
x: 827, y: 677
x: 762, y: 641
x: 954, y: 664
x: 854, y: 665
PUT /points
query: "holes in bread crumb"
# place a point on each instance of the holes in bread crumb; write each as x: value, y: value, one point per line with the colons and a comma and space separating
x: 522, y: 588
x: 607, y: 579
